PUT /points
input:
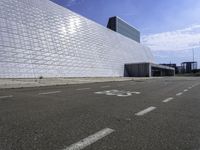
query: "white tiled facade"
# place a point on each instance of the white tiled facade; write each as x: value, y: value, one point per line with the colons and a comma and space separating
x: 40, y: 38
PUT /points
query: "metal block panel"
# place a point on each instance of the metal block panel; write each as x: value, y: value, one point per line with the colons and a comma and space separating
x: 41, y: 38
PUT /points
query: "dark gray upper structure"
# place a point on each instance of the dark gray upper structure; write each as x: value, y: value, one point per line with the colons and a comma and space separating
x: 118, y: 25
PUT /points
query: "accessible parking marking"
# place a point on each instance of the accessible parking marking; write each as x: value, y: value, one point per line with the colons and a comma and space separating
x: 179, y: 94
x: 120, y: 93
x: 8, y: 96
x: 90, y: 139
x: 145, y: 111
x: 82, y: 89
x: 168, y: 99
x: 53, y: 92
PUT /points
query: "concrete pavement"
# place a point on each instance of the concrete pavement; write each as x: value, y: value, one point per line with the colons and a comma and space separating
x: 36, y: 82
x: 141, y: 115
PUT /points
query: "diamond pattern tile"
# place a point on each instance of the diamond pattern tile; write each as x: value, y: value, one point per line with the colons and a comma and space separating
x: 41, y: 38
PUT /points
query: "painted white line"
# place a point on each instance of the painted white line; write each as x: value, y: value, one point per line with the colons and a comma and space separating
x: 82, y: 89
x: 190, y: 87
x: 8, y: 96
x: 107, y: 86
x: 179, y: 94
x: 46, y: 93
x: 167, y: 100
x: 185, y: 90
x: 147, y: 110
x: 90, y: 139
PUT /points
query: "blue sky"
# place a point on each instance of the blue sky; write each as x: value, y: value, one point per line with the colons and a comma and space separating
x: 171, y: 28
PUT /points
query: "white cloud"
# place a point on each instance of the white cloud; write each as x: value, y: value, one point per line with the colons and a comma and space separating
x: 182, y: 39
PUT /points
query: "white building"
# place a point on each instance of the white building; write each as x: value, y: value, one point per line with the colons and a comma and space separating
x: 41, y: 38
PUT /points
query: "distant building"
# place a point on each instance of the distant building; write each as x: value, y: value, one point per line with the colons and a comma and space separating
x: 188, y: 67
x: 179, y: 69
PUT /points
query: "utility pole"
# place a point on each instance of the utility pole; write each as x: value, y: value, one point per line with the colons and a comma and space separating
x: 193, y: 60
x: 193, y: 54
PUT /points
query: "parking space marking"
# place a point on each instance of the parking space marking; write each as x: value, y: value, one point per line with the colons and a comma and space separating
x: 145, y: 111
x: 120, y: 93
x: 90, y: 139
x: 8, y: 96
x: 53, y: 92
x: 168, y: 99
x: 106, y: 86
x: 179, y: 94
x: 81, y: 89
x: 185, y: 90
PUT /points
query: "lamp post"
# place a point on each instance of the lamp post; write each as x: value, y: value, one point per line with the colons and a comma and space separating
x: 198, y: 57
x: 193, y: 54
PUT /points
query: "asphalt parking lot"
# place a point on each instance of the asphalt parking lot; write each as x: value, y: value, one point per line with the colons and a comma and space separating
x: 156, y: 114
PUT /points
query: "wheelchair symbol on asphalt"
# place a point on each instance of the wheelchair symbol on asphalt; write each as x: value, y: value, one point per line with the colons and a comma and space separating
x: 120, y: 93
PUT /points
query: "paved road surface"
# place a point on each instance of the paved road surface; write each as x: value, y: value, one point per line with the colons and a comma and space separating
x: 157, y: 114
